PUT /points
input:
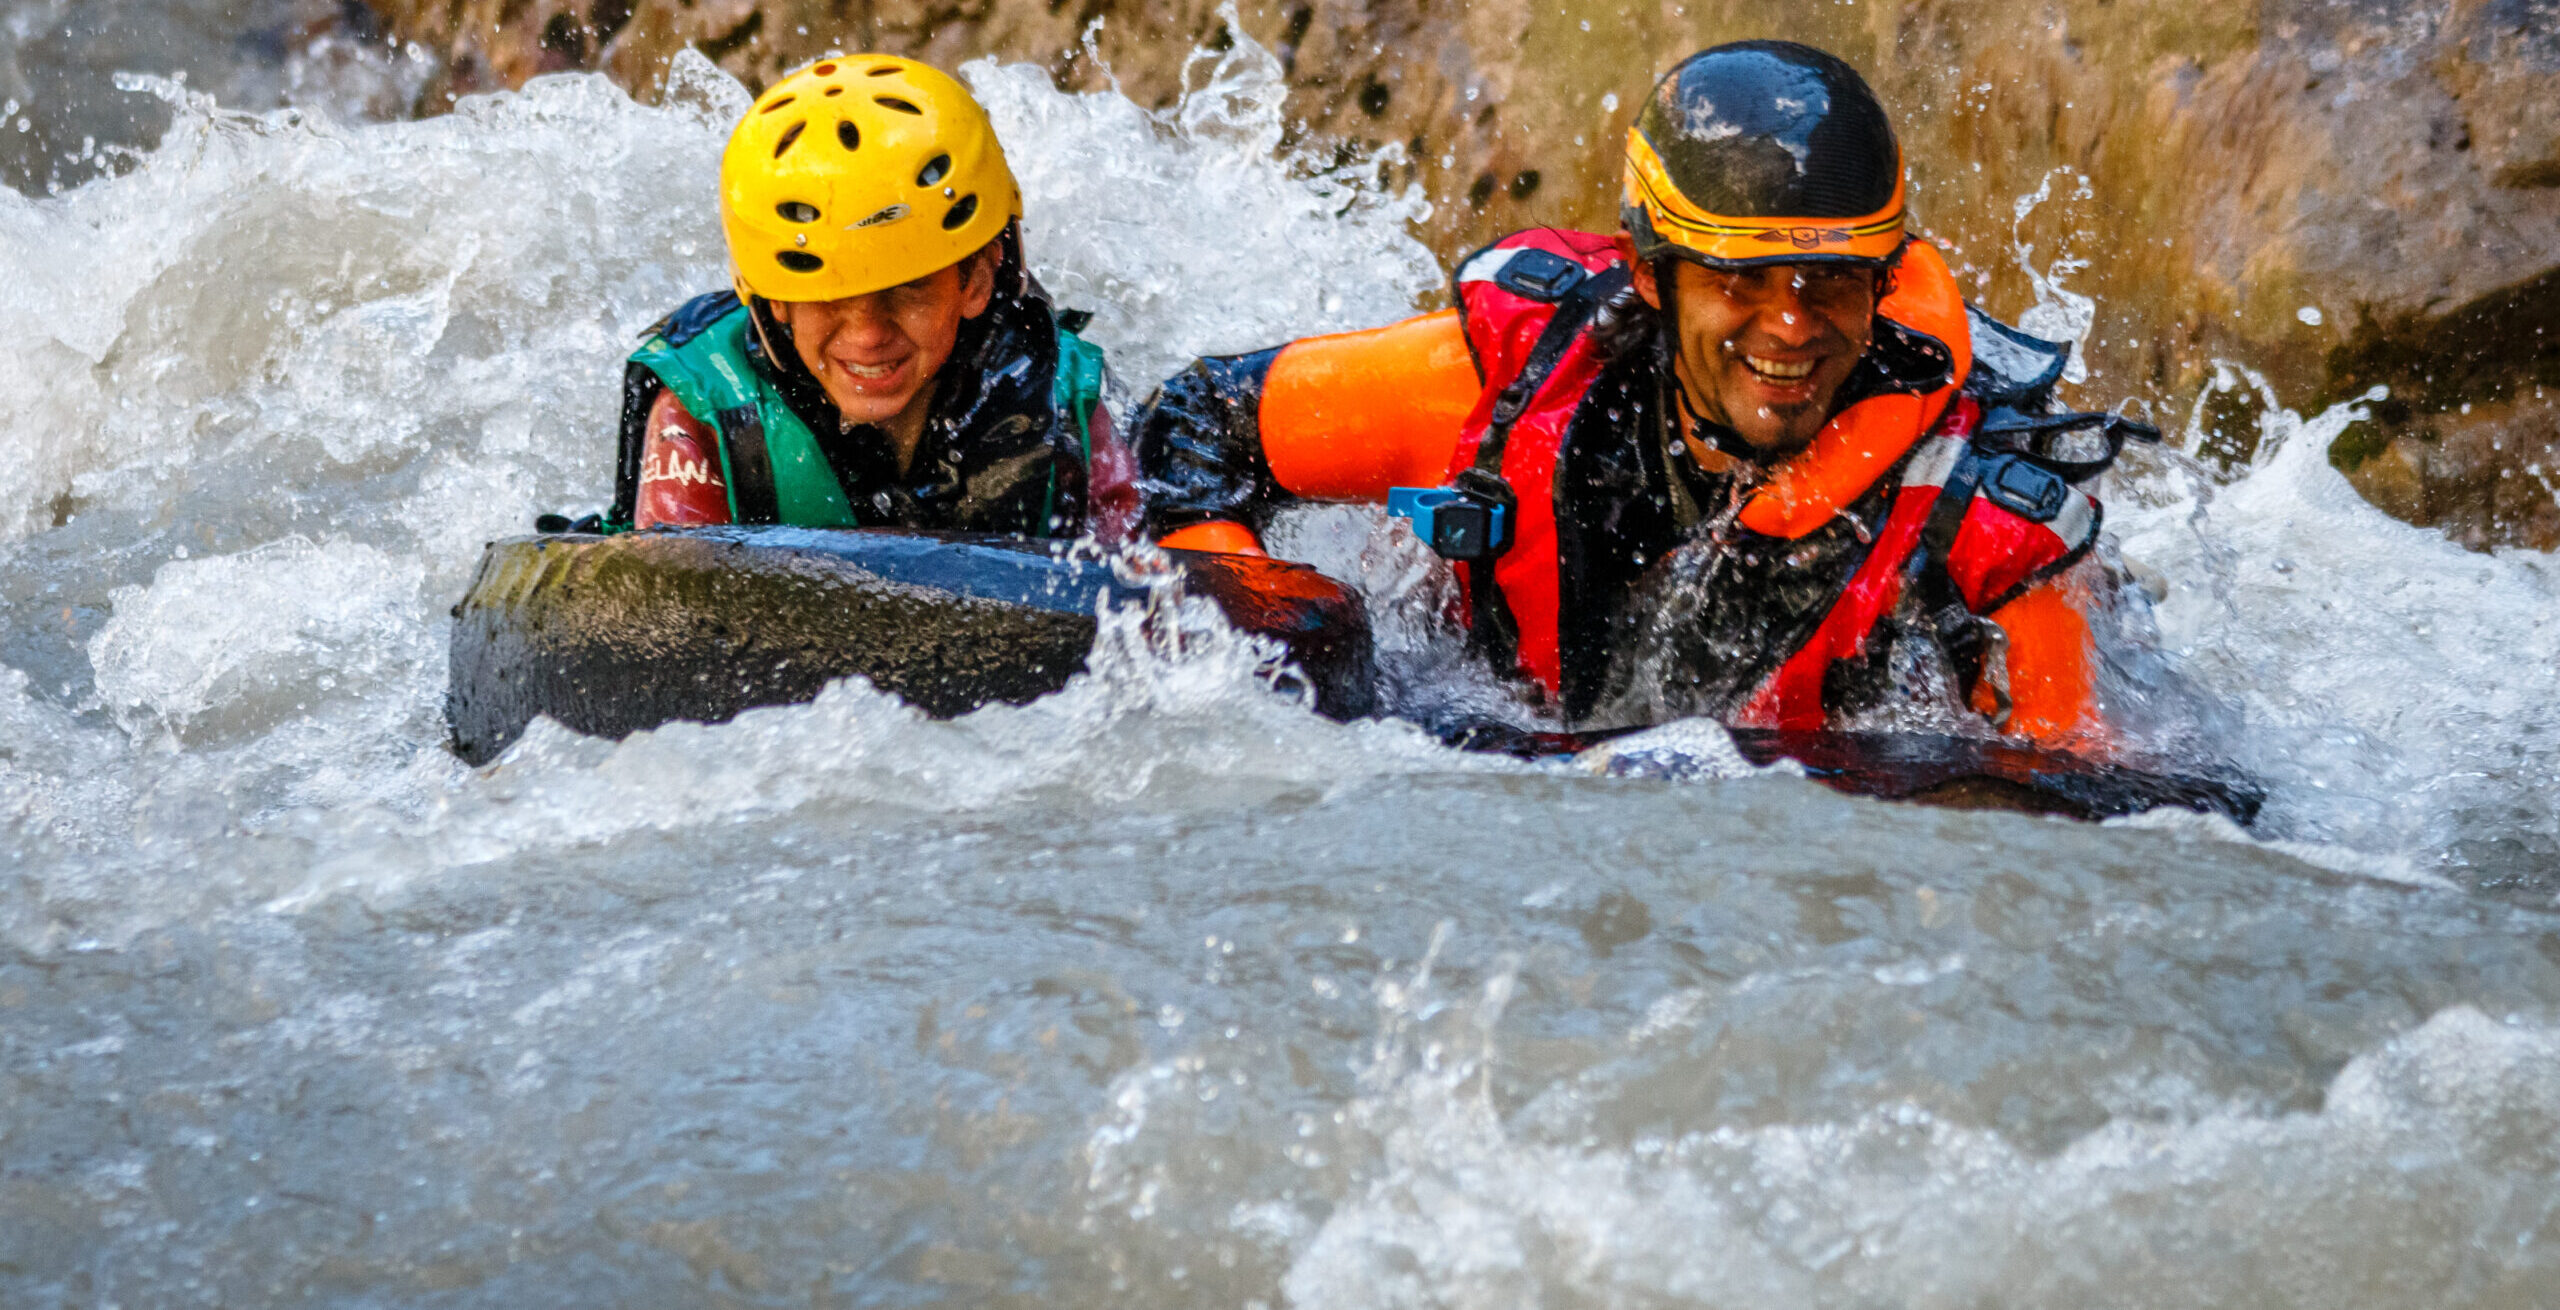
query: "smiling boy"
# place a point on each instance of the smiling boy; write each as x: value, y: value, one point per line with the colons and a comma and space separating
x: 883, y: 359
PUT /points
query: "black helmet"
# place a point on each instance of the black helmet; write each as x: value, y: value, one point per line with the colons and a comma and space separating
x: 1763, y: 152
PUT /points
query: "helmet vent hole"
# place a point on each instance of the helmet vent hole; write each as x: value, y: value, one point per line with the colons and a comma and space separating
x: 848, y: 137
x: 892, y: 102
x: 835, y: 90
x: 884, y: 70
x: 777, y: 104
x: 825, y: 70
x: 800, y: 261
x: 797, y: 211
x: 960, y: 214
x: 789, y: 135
x: 934, y: 171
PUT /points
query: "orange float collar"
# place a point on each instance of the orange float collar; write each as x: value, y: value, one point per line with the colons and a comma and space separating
x: 1973, y: 526
x: 1350, y: 415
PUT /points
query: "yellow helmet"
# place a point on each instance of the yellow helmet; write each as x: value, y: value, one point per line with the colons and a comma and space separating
x: 858, y: 173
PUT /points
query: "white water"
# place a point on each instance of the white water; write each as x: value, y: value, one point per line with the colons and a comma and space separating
x: 1115, y: 998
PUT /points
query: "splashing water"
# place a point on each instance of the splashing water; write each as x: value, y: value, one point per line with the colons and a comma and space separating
x: 1111, y: 999
x: 2395, y: 688
x: 2060, y: 313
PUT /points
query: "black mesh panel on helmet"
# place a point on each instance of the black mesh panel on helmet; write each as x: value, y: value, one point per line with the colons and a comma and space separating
x: 1772, y: 129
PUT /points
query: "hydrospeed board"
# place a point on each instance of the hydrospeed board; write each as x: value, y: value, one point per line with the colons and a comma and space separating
x: 611, y: 635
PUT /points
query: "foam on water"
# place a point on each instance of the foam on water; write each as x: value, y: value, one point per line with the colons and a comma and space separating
x: 1098, y: 1000
x: 2377, y: 1190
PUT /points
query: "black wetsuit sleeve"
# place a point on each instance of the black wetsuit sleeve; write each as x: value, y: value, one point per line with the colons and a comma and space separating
x: 640, y: 389
x: 1199, y: 447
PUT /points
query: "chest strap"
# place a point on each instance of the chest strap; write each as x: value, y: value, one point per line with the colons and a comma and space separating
x: 1573, y: 313
x: 1974, y: 646
x: 1469, y: 521
x: 750, y: 465
x: 2023, y: 463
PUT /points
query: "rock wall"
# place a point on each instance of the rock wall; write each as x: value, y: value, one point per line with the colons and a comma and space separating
x: 2336, y: 193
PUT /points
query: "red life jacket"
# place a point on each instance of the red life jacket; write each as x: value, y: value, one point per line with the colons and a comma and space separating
x: 2006, y: 538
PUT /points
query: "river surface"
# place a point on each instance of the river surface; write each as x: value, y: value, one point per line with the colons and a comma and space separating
x: 1160, y: 991
x: 65, y: 117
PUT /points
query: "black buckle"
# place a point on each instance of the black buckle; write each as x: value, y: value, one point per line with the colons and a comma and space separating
x: 1539, y: 275
x: 2028, y: 490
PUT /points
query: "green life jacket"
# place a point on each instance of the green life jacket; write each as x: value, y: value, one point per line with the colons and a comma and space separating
x: 764, y: 443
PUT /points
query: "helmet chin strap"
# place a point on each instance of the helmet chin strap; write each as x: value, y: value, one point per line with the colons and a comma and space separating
x: 757, y: 308
x: 1697, y: 430
x: 768, y: 326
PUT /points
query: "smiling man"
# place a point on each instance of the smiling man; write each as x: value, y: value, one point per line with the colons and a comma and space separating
x: 883, y: 359
x: 1752, y: 457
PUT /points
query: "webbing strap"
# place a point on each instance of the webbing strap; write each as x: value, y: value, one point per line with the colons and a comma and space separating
x: 1946, y: 515
x: 753, y: 497
x: 2047, y: 439
x: 1572, y: 313
x: 1973, y: 645
x: 1494, y: 626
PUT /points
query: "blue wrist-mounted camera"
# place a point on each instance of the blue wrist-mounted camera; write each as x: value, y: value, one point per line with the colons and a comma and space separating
x: 1457, y: 524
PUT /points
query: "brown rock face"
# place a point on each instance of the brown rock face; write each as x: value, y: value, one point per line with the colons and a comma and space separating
x: 2391, y: 166
x: 2470, y: 436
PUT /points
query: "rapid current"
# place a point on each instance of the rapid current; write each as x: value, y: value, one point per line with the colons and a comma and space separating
x: 1162, y: 990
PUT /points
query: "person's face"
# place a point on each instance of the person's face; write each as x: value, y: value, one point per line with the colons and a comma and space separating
x: 1763, y: 350
x: 877, y: 354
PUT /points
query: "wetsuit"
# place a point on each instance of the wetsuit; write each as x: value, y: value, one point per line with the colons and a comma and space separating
x: 717, y: 429
x: 1640, y: 582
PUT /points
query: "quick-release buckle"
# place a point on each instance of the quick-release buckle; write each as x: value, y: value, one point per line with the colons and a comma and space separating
x: 1539, y: 275
x: 2031, y: 492
x: 1456, y: 524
